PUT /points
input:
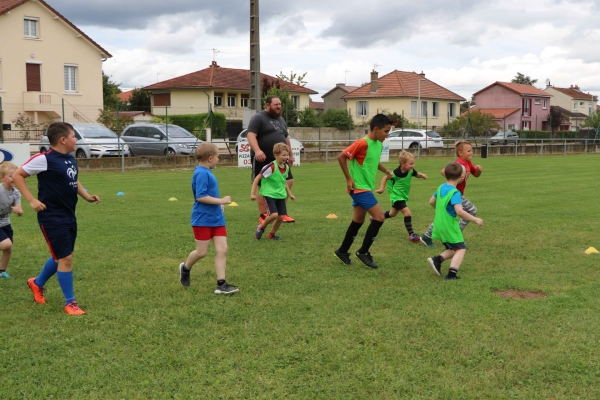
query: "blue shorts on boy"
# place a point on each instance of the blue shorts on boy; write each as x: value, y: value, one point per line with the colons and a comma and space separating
x: 6, y: 232
x: 366, y: 200
x: 205, y: 184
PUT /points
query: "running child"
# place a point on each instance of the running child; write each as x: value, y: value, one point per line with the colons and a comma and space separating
x: 273, y: 188
x: 447, y: 202
x: 398, y: 187
x: 10, y: 201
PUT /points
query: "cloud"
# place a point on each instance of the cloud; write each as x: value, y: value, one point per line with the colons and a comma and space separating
x: 291, y: 26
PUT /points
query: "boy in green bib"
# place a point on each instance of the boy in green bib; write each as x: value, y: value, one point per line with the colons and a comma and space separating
x: 274, y: 190
x: 447, y: 202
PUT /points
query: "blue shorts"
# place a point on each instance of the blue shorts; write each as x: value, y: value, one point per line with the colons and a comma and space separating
x: 60, y: 239
x: 455, y: 246
x: 6, y: 232
x: 365, y: 200
x: 276, y: 206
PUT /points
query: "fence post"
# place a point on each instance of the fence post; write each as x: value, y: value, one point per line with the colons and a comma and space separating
x: 542, y: 149
x: 63, y: 110
x: 1, y: 122
x: 564, y: 145
x: 167, y: 127
x: 326, y: 151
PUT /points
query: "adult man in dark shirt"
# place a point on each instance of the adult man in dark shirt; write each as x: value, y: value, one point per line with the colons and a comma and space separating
x: 266, y: 129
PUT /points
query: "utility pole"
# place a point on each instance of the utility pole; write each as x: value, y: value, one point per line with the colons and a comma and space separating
x: 255, y: 92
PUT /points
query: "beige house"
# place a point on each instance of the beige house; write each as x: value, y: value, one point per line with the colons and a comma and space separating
x: 573, y: 99
x: 47, y: 65
x: 420, y: 100
x: 226, y: 90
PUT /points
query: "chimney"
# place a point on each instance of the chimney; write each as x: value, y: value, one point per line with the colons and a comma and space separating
x: 340, y: 84
x: 374, y: 81
x: 422, y: 74
x: 214, y: 64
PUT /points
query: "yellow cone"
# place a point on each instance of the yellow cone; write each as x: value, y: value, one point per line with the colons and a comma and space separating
x: 591, y: 250
x: 233, y: 204
x: 172, y: 199
x: 331, y: 216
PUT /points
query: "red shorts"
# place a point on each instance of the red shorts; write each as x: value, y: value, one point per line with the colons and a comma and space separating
x: 208, y: 232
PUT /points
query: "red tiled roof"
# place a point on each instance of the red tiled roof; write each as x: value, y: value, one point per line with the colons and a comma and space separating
x: 575, y: 94
x: 498, y: 113
x: 404, y: 84
x: 568, y: 113
x: 519, y: 88
x: 222, y: 78
x: 346, y: 89
x: 7, y: 5
x: 316, y: 105
x: 124, y: 96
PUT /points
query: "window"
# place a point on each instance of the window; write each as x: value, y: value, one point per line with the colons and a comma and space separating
x: 30, y: 26
x: 575, y: 106
x: 0, y: 74
x: 413, y: 109
x: 452, y: 110
x: 511, y: 127
x: 231, y: 101
x: 544, y: 104
x: 70, y: 78
x: 362, y: 109
x: 296, y: 101
x: 435, y: 109
x: 244, y: 100
x: 582, y: 103
x: 218, y: 99
x: 526, y: 107
x: 162, y: 99
x: 525, y: 125
x: 423, y: 109
x: 537, y: 101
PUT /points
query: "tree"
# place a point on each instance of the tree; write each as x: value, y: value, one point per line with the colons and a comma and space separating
x: 288, y: 110
x: 140, y: 100
x: 337, y: 118
x: 308, y: 117
x: 266, y: 86
x: 473, y: 123
x: 398, y: 121
x: 556, y: 118
x: 296, y: 79
x: 520, y: 78
x: 593, y: 121
x: 465, y: 105
x: 109, y: 119
x: 110, y: 90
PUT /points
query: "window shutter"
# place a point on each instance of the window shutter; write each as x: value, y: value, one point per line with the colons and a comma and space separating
x: 34, y: 81
x: 162, y: 99
x: 367, y: 108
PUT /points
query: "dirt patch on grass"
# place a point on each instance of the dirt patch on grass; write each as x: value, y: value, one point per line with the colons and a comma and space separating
x: 520, y: 294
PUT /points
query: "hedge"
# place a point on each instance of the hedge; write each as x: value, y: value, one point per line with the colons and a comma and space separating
x: 195, y: 123
x: 547, y: 134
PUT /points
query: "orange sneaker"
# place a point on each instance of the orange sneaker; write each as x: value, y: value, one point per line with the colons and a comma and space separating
x: 287, y: 218
x: 38, y: 292
x: 73, y: 309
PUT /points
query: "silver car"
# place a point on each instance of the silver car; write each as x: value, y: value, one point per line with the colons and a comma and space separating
x: 243, y: 138
x: 504, y: 137
x: 414, y: 138
x: 93, y: 140
x: 159, y: 140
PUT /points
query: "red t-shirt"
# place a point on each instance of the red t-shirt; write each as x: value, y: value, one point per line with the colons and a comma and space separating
x: 469, y: 167
x: 357, y: 151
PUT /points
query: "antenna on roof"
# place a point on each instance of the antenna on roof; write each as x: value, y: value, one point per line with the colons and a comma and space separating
x: 547, y: 82
x: 376, y: 65
x: 215, y: 51
x: 346, y: 73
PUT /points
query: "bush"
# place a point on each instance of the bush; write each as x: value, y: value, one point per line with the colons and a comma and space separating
x: 109, y: 119
x: 337, y: 118
x: 547, y: 134
x: 197, y: 123
x: 308, y: 117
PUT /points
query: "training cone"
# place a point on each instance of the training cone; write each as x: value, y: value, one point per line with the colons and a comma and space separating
x: 331, y: 216
x: 172, y: 199
x: 233, y: 204
x: 120, y: 194
x: 591, y: 250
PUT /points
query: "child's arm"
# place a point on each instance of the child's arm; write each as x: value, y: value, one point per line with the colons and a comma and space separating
x: 19, y: 181
x: 289, y: 193
x: 443, y: 172
x: 350, y: 185
x: 214, y: 200
x: 477, y: 171
x: 466, y: 216
x: 17, y: 209
x: 420, y: 175
x: 384, y: 169
x: 90, y: 199
x: 255, y: 186
x: 432, y: 201
x: 382, y: 186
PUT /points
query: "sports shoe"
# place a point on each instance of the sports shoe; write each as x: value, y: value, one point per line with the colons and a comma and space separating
x: 451, y: 278
x: 4, y: 274
x: 273, y: 237
x: 184, y: 275
x: 427, y: 241
x: 226, y: 289
x: 344, y: 257
x: 73, y: 309
x: 262, y: 218
x: 259, y: 232
x: 288, y: 219
x: 413, y: 237
x: 366, y: 259
x: 437, y: 266
x: 38, y: 292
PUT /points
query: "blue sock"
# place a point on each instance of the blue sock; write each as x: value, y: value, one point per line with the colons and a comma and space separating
x: 65, y: 280
x: 49, y: 269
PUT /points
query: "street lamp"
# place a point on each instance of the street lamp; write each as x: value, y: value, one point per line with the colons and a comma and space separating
x: 419, y: 106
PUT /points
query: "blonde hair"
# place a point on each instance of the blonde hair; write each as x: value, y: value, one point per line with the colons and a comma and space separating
x: 405, y: 157
x: 7, y: 167
x: 458, y: 146
x: 279, y: 147
x: 205, y: 151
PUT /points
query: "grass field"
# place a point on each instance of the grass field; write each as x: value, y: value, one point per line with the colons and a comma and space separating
x: 305, y: 326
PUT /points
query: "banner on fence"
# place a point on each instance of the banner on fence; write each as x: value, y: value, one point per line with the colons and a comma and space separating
x: 16, y: 153
x: 385, y: 151
x: 244, y: 160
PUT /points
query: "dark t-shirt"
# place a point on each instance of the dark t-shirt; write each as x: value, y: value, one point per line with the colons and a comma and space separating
x: 269, y: 131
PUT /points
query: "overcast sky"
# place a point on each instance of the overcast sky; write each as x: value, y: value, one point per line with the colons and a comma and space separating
x: 463, y: 45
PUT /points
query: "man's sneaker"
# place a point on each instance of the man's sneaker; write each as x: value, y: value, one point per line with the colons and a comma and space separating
x: 366, y: 259
x: 288, y: 219
x: 184, y: 275
x: 451, y: 278
x: 38, y: 292
x: 259, y: 232
x: 226, y: 288
x: 4, y: 274
x: 262, y: 218
x: 73, y: 309
x: 437, y: 266
x: 344, y: 257
x: 273, y: 237
x: 414, y: 238
x: 427, y: 241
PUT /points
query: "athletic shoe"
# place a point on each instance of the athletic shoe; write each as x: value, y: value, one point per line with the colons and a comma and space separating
x: 262, y: 218
x: 273, y: 237
x: 226, y: 289
x: 451, y: 278
x: 427, y: 241
x: 4, y: 274
x: 259, y: 232
x: 288, y: 219
x: 414, y: 238
x: 437, y: 266
x: 366, y: 259
x: 184, y: 275
x: 344, y: 257
x: 73, y: 309
x: 38, y: 292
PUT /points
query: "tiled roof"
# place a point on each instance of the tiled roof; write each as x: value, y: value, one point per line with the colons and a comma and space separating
x: 124, y: 96
x: 7, y: 5
x: 498, y: 113
x: 316, y: 105
x: 216, y: 77
x: 568, y: 113
x: 404, y: 84
x: 519, y: 88
x: 575, y: 94
x: 345, y: 88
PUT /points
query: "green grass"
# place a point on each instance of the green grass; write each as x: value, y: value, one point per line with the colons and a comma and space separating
x: 303, y: 325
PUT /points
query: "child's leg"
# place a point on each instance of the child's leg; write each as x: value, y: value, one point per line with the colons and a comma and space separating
x: 377, y: 213
x: 65, y: 277
x: 220, y: 243
x: 358, y: 219
x: 468, y: 207
x: 196, y: 255
x: 390, y: 214
x: 6, y: 248
x: 429, y: 231
x: 455, y: 263
x: 407, y: 220
x: 270, y: 218
x: 277, y: 224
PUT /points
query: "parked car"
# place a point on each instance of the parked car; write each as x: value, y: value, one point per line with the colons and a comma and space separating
x: 152, y: 139
x: 93, y: 140
x: 504, y: 137
x: 243, y: 137
x: 414, y: 138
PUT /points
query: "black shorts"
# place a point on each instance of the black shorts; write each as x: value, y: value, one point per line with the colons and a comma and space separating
x: 60, y: 239
x: 455, y: 246
x: 276, y: 206
x: 399, y: 205
x: 6, y: 232
x: 257, y: 166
